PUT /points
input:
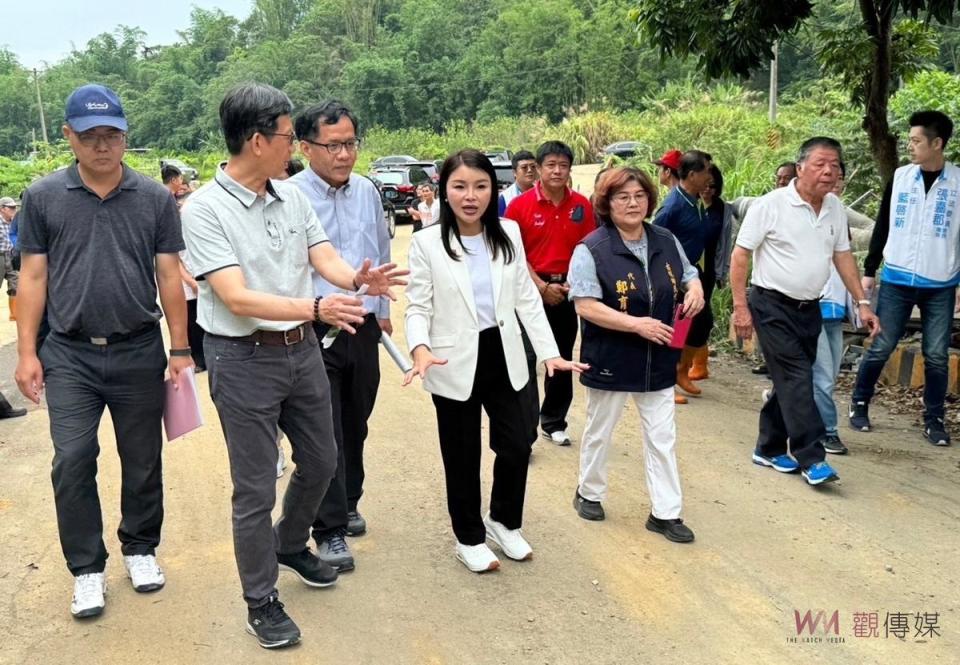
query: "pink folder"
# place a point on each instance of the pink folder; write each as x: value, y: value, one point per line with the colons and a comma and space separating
x: 181, y: 408
x: 681, y: 327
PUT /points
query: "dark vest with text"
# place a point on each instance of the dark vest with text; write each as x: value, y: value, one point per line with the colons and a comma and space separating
x: 625, y: 361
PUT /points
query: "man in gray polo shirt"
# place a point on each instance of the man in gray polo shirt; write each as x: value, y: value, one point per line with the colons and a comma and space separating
x: 252, y: 243
x: 80, y: 230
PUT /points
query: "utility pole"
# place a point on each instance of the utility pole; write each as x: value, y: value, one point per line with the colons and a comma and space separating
x: 43, y: 121
x: 774, y: 67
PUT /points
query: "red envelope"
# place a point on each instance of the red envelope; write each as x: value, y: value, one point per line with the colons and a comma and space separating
x: 681, y: 328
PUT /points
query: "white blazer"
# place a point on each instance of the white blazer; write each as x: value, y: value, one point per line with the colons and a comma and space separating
x: 442, y: 314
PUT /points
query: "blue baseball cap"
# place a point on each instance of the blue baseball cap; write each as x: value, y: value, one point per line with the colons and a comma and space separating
x: 94, y: 105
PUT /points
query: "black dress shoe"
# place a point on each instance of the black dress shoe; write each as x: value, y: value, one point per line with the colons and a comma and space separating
x: 7, y: 410
x: 588, y: 510
x: 760, y: 369
x: 674, y: 530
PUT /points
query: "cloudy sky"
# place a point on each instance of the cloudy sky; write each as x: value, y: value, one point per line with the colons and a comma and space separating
x: 45, y: 30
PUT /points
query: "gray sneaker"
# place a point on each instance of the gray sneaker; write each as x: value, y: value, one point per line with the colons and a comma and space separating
x: 334, y: 551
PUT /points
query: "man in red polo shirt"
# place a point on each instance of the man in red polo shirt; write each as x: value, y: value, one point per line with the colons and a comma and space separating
x: 553, y: 219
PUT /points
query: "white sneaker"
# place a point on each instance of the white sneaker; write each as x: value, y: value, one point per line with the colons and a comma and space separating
x: 281, y: 461
x: 511, y: 541
x: 477, y: 558
x: 88, y: 595
x: 559, y: 437
x: 143, y: 571
x: 765, y: 395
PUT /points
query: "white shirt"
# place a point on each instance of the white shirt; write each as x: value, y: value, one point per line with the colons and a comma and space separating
x: 478, y: 260
x: 429, y: 214
x: 792, y: 246
x: 188, y: 291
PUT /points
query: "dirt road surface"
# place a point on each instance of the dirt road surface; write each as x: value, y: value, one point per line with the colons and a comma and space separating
x: 881, y: 541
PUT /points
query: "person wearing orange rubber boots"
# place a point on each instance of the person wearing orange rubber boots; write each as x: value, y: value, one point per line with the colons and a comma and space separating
x: 718, y: 226
x: 683, y: 215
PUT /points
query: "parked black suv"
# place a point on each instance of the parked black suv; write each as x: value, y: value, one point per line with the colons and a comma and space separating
x: 398, y: 186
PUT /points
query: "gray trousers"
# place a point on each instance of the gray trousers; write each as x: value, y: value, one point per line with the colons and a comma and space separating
x: 256, y: 388
x: 81, y: 379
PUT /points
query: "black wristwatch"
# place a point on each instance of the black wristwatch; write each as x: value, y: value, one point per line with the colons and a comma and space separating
x: 180, y: 353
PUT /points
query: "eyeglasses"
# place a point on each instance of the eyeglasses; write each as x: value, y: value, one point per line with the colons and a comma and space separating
x: 335, y: 148
x: 527, y: 167
x: 624, y: 199
x: 91, y: 140
x: 292, y: 137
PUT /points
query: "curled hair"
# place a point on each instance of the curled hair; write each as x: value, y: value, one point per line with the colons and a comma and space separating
x: 612, y: 182
x: 497, y: 238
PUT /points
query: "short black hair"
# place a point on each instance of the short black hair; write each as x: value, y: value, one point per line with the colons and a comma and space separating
x: 936, y: 125
x: 522, y: 156
x: 250, y: 108
x: 169, y: 173
x: 294, y: 166
x: 329, y: 113
x: 812, y: 144
x: 693, y: 161
x: 789, y: 165
x: 557, y: 148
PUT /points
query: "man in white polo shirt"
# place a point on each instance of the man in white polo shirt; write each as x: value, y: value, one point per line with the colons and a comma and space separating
x: 794, y: 233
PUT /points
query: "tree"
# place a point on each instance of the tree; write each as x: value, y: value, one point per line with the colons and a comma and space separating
x: 734, y: 37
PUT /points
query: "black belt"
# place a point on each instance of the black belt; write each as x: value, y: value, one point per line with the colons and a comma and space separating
x: 785, y: 299
x: 112, y: 339
x: 272, y: 337
x: 553, y: 278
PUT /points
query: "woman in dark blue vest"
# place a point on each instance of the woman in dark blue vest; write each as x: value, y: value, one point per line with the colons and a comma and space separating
x: 626, y: 279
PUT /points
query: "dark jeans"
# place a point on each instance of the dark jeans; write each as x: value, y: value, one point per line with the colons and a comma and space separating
x: 558, y: 390
x: 81, y: 379
x: 458, y: 424
x: 788, y: 335
x: 255, y: 388
x: 894, y: 305
x: 353, y: 369
x: 195, y: 335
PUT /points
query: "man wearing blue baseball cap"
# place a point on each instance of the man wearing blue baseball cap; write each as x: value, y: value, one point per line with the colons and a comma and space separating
x: 105, y: 348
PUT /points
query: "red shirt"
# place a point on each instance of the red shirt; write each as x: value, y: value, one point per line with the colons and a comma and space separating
x: 551, y: 232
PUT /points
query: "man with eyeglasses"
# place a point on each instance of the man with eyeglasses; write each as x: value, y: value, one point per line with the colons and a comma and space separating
x: 349, y: 208
x: 98, y: 240
x: 524, y: 175
x: 253, y: 242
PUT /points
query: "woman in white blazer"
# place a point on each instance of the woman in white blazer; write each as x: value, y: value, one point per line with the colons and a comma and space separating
x: 468, y: 284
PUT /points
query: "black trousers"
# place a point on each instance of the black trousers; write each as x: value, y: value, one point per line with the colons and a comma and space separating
x: 702, y: 324
x: 458, y: 424
x: 531, y: 393
x: 558, y: 390
x: 788, y: 333
x: 195, y: 336
x: 353, y: 369
x: 81, y: 379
